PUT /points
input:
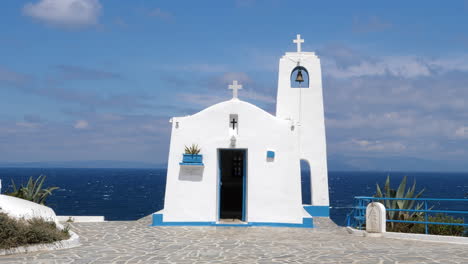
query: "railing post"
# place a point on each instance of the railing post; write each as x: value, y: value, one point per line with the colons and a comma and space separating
x: 361, y: 213
x: 358, y: 213
x: 426, y: 218
x: 465, y: 227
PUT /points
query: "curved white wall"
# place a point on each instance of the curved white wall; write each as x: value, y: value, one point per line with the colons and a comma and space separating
x: 20, y: 208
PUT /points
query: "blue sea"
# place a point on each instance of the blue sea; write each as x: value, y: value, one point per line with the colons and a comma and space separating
x: 129, y: 194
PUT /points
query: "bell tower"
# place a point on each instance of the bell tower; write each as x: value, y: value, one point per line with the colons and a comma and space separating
x: 300, y: 99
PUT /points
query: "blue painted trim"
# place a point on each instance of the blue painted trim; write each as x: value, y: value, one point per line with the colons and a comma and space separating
x: 191, y: 164
x: 410, y: 199
x: 424, y: 211
x: 270, y: 154
x: 231, y: 225
x: 244, y: 186
x: 192, y: 158
x: 158, y: 221
x: 319, y: 211
x: 219, y: 184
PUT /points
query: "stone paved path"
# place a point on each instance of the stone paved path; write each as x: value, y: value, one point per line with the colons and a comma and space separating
x: 135, y: 242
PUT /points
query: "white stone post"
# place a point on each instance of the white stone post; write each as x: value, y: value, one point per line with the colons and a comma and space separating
x: 375, y: 218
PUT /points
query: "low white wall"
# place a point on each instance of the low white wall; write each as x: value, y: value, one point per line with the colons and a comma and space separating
x: 80, y: 219
x: 20, y: 208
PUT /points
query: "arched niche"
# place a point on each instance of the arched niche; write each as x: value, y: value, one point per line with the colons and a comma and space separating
x: 305, y: 76
x: 305, y: 182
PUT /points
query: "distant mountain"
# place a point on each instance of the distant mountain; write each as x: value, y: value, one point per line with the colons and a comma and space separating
x: 83, y: 164
x: 342, y: 163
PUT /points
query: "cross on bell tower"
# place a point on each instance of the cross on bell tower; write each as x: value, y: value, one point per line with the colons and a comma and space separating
x: 298, y: 41
x: 235, y: 87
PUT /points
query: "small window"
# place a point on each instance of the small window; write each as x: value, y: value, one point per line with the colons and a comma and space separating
x: 234, y: 123
x: 300, y: 78
x: 270, y: 155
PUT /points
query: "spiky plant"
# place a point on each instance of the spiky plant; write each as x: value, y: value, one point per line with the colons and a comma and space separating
x: 400, y: 192
x: 33, y: 190
x: 193, y: 150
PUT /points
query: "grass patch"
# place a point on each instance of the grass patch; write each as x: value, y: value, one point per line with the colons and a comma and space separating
x: 444, y: 230
x: 15, y: 233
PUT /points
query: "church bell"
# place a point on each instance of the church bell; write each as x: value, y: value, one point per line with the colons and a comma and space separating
x: 299, y: 77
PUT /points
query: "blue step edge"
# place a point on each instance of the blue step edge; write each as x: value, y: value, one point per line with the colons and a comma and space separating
x: 191, y: 164
x: 307, y: 222
x: 318, y: 210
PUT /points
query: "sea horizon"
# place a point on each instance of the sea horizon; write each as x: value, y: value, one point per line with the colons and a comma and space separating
x: 133, y: 193
x: 165, y: 167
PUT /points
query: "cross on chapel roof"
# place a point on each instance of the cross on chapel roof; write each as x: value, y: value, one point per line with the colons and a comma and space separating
x: 235, y: 87
x: 298, y: 41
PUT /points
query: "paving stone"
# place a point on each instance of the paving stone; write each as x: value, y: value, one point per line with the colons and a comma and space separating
x: 136, y: 242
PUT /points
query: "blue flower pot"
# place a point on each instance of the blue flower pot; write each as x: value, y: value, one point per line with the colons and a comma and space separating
x: 192, y: 158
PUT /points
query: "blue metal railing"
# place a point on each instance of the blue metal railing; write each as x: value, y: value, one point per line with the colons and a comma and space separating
x: 357, y: 217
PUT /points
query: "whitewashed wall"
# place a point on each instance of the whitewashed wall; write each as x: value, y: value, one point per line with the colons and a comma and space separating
x: 306, y: 104
x: 20, y: 208
x: 273, y: 188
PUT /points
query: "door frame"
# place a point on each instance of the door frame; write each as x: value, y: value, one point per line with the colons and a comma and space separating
x: 244, y: 183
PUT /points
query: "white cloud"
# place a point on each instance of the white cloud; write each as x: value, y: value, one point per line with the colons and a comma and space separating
x: 343, y: 63
x: 68, y: 13
x: 81, y: 124
x: 241, y: 77
x: 395, y: 105
x: 197, y: 67
x: 201, y: 99
x: 462, y: 132
x: 399, y: 66
x: 378, y: 145
x: 250, y: 94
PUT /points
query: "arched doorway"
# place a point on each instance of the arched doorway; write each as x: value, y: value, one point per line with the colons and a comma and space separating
x: 305, y: 182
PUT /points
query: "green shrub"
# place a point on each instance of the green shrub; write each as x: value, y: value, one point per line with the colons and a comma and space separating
x: 400, y: 192
x: 194, y: 150
x: 444, y: 230
x: 15, y: 233
x: 33, y: 190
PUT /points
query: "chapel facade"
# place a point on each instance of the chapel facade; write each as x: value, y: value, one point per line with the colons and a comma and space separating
x: 248, y: 170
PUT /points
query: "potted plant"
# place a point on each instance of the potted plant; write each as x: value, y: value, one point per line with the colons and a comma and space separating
x: 192, y: 154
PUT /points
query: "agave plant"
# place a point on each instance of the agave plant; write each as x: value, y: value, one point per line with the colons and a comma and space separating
x: 33, y: 190
x: 194, y: 149
x: 401, y: 192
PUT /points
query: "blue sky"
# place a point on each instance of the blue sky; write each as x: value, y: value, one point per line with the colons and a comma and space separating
x: 99, y: 79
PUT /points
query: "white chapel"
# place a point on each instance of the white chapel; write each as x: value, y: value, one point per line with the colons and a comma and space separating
x: 246, y: 168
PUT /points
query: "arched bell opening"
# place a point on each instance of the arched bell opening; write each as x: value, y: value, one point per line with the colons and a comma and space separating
x: 305, y: 182
x: 299, y: 77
